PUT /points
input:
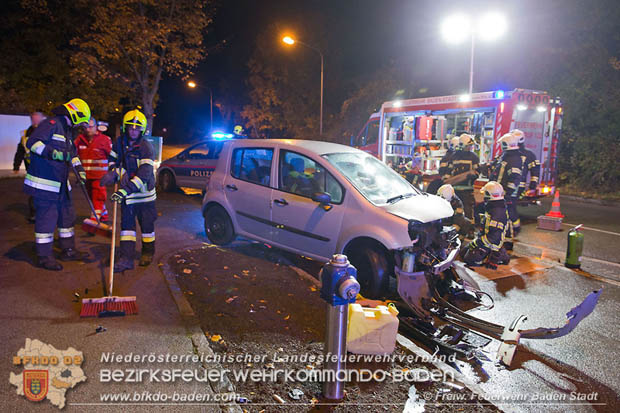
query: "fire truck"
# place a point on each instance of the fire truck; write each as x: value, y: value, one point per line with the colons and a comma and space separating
x: 422, y: 128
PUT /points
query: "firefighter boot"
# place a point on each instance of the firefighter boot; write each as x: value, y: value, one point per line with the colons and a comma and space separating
x: 71, y: 254
x: 148, y: 250
x: 123, y: 264
x: 49, y: 263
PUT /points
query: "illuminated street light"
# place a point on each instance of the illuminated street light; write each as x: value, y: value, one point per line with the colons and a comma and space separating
x: 191, y: 84
x: 455, y: 29
x: 290, y: 41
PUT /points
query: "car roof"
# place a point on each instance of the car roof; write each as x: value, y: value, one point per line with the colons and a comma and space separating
x: 319, y: 147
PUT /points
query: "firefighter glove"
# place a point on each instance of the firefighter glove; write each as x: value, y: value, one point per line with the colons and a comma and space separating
x: 108, y: 179
x: 60, y: 155
x: 82, y: 175
x: 119, y: 196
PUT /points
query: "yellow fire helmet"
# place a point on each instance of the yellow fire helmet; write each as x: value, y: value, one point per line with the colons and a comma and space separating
x: 238, y: 130
x: 134, y: 118
x: 79, y: 112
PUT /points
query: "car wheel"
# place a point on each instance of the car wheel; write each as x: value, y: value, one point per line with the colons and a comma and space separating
x: 166, y: 181
x: 218, y: 226
x: 372, y: 271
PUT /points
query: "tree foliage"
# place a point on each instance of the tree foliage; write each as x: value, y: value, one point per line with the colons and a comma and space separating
x: 284, y: 92
x: 132, y: 43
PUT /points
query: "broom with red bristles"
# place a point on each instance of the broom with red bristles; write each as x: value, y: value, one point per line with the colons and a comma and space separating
x: 110, y: 306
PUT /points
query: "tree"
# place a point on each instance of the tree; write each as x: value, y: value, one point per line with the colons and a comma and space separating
x: 134, y: 42
x: 283, y: 88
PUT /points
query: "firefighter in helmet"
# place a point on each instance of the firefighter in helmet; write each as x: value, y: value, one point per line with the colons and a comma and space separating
x: 509, y: 173
x: 52, y: 157
x: 463, y: 225
x: 489, y: 242
x: 465, y: 167
x: 532, y: 166
x: 131, y: 163
x: 445, y: 166
x: 238, y: 132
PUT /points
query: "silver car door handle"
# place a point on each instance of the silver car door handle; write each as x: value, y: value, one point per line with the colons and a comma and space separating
x: 280, y: 202
x: 232, y: 187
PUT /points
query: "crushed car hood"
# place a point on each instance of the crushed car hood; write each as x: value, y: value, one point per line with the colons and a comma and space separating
x: 423, y: 208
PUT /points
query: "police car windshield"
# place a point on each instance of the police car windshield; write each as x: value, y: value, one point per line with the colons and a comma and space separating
x: 371, y: 177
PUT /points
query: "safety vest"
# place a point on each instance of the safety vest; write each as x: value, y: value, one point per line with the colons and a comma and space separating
x: 94, y: 154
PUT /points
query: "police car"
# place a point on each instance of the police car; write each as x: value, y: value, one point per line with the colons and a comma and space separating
x: 192, y: 167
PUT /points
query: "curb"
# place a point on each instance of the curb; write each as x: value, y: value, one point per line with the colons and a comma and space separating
x: 194, y: 331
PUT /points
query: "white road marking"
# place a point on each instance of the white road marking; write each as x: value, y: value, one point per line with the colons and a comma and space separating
x: 593, y: 229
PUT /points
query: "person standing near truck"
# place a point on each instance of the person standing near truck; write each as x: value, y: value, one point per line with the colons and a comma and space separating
x: 509, y: 173
x: 465, y: 166
x: 532, y: 166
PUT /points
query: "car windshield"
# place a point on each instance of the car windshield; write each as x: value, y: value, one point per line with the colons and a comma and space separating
x: 374, y: 179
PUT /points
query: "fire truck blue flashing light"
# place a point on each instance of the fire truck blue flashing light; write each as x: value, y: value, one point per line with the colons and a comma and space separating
x: 221, y: 135
x: 499, y: 94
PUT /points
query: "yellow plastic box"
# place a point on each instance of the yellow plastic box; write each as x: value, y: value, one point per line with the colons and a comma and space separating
x: 372, y: 330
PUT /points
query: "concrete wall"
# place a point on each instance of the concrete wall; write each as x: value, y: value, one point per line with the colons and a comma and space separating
x: 11, y: 128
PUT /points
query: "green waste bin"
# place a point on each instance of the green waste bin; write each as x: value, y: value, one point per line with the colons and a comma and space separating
x: 574, y: 248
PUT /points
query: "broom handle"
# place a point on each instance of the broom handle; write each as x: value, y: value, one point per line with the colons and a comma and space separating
x: 113, y: 247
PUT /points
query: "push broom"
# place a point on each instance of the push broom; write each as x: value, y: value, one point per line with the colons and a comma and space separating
x: 110, y: 306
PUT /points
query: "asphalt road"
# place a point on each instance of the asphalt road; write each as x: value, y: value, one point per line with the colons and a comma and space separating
x: 38, y: 304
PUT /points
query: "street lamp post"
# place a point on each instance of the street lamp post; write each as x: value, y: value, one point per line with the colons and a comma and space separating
x: 456, y: 28
x: 191, y: 84
x: 289, y: 40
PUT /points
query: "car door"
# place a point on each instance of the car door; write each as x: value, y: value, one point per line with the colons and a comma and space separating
x: 248, y: 191
x: 200, y: 164
x: 301, y: 223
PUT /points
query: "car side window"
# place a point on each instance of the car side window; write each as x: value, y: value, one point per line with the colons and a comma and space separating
x: 252, y: 165
x: 199, y: 152
x: 301, y: 175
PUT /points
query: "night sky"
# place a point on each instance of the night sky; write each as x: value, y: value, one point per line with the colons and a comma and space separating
x: 359, y: 37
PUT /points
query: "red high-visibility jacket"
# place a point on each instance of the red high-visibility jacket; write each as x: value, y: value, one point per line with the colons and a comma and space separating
x: 94, y: 154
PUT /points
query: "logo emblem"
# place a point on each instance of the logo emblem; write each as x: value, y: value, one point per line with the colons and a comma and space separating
x: 35, y: 384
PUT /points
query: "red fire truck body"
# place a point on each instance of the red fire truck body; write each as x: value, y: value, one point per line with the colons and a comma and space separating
x: 423, y: 127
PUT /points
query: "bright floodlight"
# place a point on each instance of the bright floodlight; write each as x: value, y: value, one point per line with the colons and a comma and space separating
x: 464, y: 98
x: 288, y: 40
x: 491, y: 26
x: 191, y: 84
x: 398, y: 103
x: 456, y: 28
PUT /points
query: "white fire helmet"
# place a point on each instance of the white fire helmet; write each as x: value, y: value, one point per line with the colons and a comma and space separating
x: 519, y: 134
x: 446, y: 192
x: 466, y: 139
x: 509, y: 141
x: 493, y: 191
x: 454, y: 142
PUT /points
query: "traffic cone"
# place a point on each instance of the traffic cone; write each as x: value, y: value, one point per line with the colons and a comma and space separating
x: 555, y: 206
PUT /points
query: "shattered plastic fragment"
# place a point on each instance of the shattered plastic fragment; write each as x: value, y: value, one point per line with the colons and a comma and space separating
x: 295, y: 394
x: 187, y: 271
x: 216, y: 338
x: 231, y: 299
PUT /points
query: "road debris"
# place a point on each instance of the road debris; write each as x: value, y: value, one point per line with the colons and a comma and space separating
x: 278, y: 399
x: 295, y: 394
x: 100, y: 329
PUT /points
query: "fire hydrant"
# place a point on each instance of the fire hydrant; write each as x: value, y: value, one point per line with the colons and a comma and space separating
x: 574, y: 248
x: 339, y: 288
